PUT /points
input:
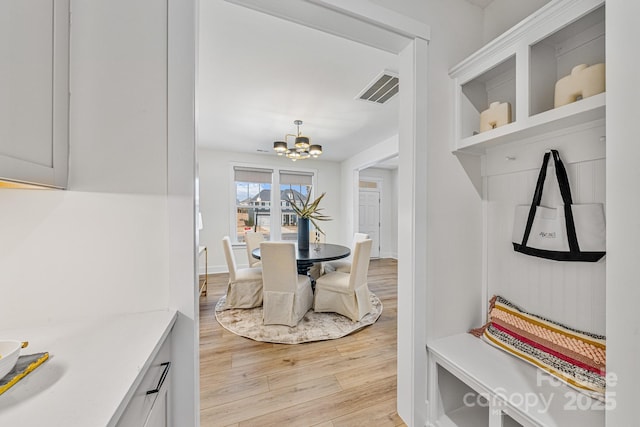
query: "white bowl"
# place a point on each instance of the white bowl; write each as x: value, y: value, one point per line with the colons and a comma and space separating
x: 9, y: 353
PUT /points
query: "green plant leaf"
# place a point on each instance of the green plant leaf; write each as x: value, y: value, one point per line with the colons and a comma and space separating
x: 309, y: 209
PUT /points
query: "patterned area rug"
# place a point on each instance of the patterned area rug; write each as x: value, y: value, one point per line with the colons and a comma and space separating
x: 313, y: 326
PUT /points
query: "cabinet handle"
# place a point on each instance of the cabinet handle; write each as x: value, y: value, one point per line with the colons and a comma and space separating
x: 163, y: 377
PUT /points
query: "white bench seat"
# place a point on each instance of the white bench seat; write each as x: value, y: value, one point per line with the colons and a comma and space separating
x: 518, y: 393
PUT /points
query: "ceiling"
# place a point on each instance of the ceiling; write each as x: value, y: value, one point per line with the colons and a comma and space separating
x: 481, y: 3
x: 259, y: 73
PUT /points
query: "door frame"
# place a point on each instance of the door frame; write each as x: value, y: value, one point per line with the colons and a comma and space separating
x: 379, y: 182
x: 376, y: 26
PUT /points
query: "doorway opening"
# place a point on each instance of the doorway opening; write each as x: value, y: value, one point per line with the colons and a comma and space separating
x: 408, y: 39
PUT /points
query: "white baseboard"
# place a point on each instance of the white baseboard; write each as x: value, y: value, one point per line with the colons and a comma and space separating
x: 215, y: 269
x: 393, y: 255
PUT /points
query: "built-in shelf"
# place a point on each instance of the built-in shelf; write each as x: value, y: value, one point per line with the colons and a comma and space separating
x: 465, y: 417
x: 507, y: 421
x: 460, y: 404
x: 464, y: 366
x: 521, y: 67
x: 586, y: 110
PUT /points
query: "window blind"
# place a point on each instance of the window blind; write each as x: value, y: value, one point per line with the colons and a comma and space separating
x: 296, y: 178
x: 262, y: 176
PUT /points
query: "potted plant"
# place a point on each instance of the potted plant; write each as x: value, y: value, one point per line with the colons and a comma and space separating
x: 307, y: 211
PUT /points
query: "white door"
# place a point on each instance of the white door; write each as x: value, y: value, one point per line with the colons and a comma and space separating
x: 370, y: 218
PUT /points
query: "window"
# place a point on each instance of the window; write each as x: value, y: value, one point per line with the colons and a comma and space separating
x: 252, y: 201
x: 293, y: 186
x: 259, y: 209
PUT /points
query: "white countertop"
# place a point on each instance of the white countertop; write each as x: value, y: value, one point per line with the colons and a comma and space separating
x: 91, y: 373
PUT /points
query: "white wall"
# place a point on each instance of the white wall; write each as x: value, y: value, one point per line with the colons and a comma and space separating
x: 349, y: 173
x: 623, y: 199
x: 215, y: 196
x: 181, y: 211
x: 388, y: 209
x: 118, y: 87
x: 454, y: 215
x: 501, y: 15
x: 68, y: 254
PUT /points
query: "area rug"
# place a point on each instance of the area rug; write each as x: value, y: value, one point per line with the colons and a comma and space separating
x: 312, y: 327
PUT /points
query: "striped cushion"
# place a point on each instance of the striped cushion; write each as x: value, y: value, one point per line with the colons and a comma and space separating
x: 576, y: 357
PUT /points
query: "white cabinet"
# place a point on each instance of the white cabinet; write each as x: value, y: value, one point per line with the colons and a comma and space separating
x: 521, y: 67
x: 150, y: 402
x: 34, y: 88
x: 159, y: 416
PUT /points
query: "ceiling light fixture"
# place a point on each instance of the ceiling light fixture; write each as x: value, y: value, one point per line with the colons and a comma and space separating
x: 302, y: 147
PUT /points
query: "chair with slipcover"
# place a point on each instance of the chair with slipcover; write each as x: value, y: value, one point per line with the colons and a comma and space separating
x: 287, y: 295
x: 245, y: 284
x: 346, y: 293
x: 253, y: 240
x: 344, y: 265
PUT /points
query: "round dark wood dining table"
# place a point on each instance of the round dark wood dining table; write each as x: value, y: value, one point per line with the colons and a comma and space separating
x: 318, y: 252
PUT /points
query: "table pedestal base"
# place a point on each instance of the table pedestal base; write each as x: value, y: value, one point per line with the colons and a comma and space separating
x: 303, y: 267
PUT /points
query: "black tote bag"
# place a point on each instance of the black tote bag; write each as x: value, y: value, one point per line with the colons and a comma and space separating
x: 569, y: 232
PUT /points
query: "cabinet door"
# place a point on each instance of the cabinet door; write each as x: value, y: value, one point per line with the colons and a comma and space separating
x: 148, y: 405
x: 34, y: 91
x: 159, y: 416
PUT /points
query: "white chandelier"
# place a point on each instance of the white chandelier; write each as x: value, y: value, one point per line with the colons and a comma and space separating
x: 301, y: 149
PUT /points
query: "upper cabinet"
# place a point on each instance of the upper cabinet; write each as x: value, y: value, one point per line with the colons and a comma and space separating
x: 34, y: 88
x: 521, y: 68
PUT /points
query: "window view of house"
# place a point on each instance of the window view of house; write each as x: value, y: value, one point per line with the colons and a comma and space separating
x: 293, y: 186
x: 253, y: 208
x: 255, y: 204
x: 253, y: 201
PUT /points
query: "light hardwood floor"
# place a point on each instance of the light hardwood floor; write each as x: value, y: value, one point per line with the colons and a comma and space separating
x: 350, y: 381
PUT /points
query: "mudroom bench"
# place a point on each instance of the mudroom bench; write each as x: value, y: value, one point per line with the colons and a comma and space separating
x: 473, y: 384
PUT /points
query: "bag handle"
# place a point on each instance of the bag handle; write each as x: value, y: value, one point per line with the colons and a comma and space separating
x: 563, y: 180
x: 565, y: 191
x: 537, y: 197
x: 561, y: 176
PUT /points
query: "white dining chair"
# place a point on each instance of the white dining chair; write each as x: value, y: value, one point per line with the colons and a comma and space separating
x: 346, y: 293
x: 253, y: 240
x: 244, y: 289
x: 344, y: 265
x: 287, y: 295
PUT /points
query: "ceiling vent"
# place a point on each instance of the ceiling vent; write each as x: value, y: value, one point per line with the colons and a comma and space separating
x: 381, y: 89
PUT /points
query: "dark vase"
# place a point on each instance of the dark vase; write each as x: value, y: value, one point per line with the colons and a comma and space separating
x: 303, y: 234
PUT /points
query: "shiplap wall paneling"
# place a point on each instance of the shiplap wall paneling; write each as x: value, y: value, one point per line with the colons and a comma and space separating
x: 569, y: 292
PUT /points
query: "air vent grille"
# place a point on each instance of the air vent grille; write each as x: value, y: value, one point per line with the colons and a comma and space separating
x: 381, y: 89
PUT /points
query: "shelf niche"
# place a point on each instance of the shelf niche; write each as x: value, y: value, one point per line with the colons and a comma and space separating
x: 462, y: 406
x: 552, y: 58
x: 495, y: 85
x: 507, y: 421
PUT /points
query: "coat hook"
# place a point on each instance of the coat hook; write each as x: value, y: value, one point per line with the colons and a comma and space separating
x: 603, y: 139
x: 510, y: 157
